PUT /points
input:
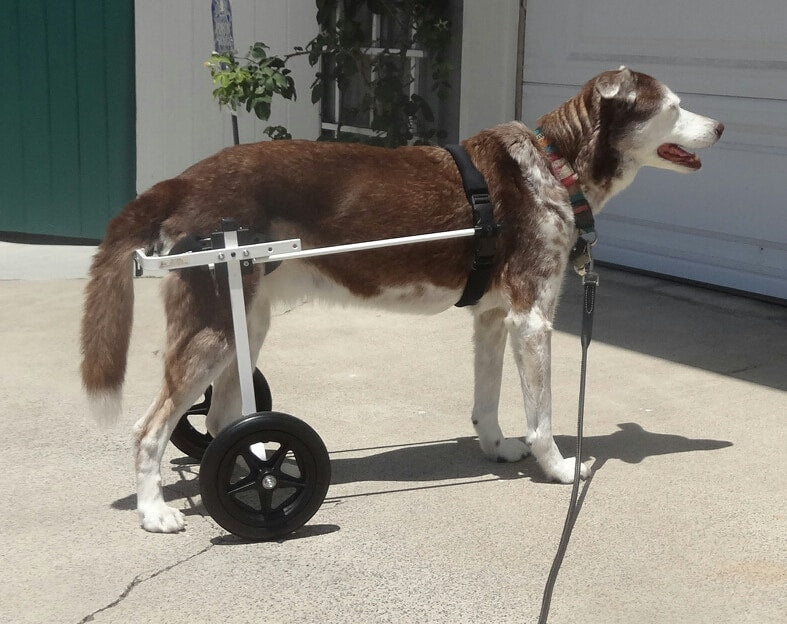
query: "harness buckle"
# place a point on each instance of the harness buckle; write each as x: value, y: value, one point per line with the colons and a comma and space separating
x: 483, y: 214
x: 485, y: 230
x: 477, y: 193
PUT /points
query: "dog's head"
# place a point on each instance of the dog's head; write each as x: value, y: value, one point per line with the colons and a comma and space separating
x: 641, y: 119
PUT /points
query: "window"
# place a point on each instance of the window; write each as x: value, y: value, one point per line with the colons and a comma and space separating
x: 386, y: 84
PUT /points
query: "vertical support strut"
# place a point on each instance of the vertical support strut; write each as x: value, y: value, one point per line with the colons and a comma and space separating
x: 238, y: 306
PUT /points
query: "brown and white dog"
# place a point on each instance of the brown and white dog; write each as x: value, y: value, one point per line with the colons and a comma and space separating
x: 329, y: 194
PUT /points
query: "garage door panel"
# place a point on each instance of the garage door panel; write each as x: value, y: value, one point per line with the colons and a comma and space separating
x: 693, y: 263
x: 691, y: 45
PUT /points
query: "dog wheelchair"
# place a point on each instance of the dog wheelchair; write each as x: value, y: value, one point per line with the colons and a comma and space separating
x: 267, y: 473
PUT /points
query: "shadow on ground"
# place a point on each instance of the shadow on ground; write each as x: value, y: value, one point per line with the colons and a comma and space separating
x: 459, y: 458
x: 722, y: 333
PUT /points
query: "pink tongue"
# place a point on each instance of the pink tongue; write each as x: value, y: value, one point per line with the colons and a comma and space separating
x: 674, y: 153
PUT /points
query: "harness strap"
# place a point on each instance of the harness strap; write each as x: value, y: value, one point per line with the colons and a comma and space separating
x: 484, y: 223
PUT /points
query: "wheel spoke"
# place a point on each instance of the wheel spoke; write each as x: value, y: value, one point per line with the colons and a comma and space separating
x: 266, y: 500
x: 198, y: 409
x: 277, y: 459
x: 246, y: 483
x: 254, y: 463
x: 286, y: 481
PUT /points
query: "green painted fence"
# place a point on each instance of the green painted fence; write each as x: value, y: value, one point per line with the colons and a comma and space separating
x: 67, y: 115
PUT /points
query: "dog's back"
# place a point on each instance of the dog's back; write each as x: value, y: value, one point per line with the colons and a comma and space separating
x: 325, y: 194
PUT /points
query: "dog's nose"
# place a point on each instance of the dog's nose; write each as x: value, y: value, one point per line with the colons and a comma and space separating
x: 719, y: 129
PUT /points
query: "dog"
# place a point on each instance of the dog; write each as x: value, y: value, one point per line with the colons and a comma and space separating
x: 330, y: 194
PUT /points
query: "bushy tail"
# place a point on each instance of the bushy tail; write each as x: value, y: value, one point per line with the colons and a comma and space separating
x: 109, y: 299
x: 106, y: 329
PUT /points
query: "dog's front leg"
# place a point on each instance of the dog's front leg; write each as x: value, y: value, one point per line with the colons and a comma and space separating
x: 490, y: 342
x: 531, y: 334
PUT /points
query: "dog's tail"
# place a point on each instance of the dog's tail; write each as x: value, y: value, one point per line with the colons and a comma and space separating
x: 109, y: 297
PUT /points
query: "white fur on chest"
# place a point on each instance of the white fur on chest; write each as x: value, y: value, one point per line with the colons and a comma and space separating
x: 295, y: 281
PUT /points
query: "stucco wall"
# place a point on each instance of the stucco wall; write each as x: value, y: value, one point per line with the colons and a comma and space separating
x: 178, y: 121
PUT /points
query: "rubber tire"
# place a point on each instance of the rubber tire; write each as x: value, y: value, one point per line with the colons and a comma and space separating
x: 220, y: 458
x: 192, y: 442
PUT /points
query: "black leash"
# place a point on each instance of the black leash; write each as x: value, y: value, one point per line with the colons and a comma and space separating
x: 590, y: 282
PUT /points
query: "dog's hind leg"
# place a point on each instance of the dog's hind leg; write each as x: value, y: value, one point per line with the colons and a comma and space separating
x: 530, y: 332
x: 151, y: 434
x: 490, y: 341
x: 225, y: 405
x: 198, y: 347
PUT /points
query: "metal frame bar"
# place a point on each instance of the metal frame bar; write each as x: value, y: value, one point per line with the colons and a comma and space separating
x: 239, y: 326
x: 275, y: 251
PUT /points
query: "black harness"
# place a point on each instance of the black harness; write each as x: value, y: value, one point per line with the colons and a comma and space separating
x: 486, y: 229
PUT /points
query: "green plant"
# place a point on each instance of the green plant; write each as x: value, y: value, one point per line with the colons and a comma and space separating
x: 253, y: 84
x: 397, y: 116
x: 398, y: 113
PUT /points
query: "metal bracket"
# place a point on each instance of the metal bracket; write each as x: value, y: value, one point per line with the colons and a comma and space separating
x: 258, y: 251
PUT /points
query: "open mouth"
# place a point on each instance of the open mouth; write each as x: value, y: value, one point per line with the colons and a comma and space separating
x: 676, y: 154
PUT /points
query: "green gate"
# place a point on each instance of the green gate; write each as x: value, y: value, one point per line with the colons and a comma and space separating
x: 67, y: 115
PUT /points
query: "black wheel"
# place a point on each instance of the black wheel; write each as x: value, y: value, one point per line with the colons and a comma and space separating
x: 190, y: 436
x: 262, y: 499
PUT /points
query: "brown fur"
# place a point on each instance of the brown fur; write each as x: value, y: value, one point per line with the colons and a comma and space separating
x: 330, y: 194
x: 361, y: 193
x: 587, y: 129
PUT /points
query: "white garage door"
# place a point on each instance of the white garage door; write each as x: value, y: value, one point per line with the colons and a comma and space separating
x: 727, y: 224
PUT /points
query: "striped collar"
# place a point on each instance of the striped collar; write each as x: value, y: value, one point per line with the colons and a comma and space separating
x: 583, y: 215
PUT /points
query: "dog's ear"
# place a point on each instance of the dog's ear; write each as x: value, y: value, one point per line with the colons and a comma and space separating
x: 618, y: 84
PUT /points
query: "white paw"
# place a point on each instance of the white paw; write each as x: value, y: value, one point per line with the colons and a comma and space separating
x: 563, y: 470
x: 506, y: 450
x: 162, y: 519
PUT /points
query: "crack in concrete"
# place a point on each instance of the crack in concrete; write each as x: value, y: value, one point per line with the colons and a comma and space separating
x: 138, y: 580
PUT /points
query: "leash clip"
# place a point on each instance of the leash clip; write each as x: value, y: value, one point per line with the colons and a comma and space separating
x: 585, y: 270
x: 589, y: 236
x: 590, y: 276
x: 582, y: 257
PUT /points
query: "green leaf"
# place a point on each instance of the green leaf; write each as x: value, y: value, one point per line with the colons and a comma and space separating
x: 425, y: 109
x: 316, y: 92
x: 257, y: 51
x: 262, y: 110
x: 277, y: 133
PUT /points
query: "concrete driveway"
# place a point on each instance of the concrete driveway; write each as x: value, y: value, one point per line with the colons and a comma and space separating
x: 683, y: 521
